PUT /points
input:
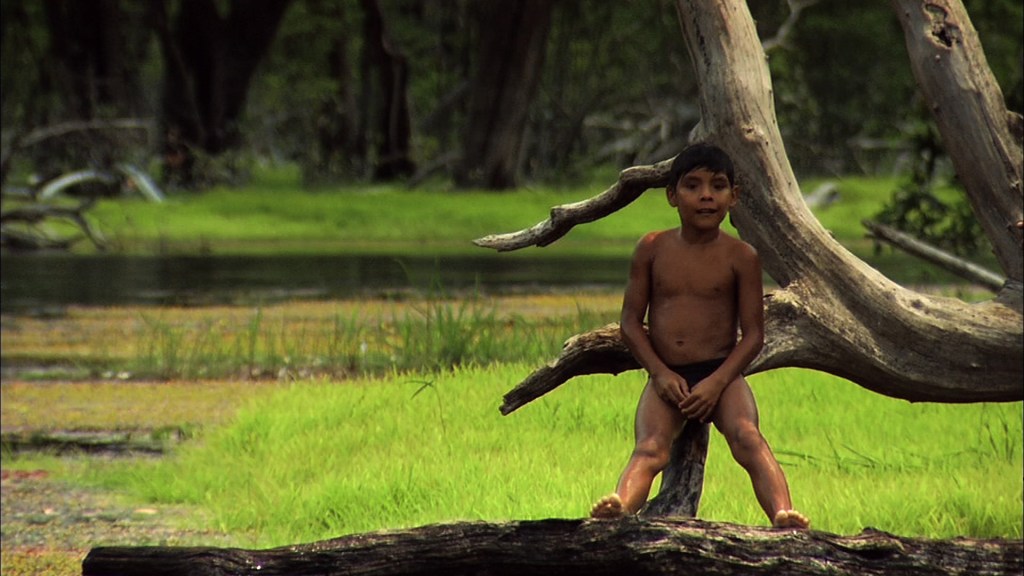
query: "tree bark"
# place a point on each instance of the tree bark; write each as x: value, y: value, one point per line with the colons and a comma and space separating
x: 579, y: 547
x: 833, y: 312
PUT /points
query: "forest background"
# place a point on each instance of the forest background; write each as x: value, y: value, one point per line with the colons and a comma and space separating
x: 482, y: 94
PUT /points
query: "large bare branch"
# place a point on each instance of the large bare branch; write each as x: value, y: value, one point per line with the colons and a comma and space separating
x: 834, y: 312
x: 968, y: 106
x: 631, y: 184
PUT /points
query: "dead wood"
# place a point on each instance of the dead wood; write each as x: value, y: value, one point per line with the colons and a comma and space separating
x: 33, y: 214
x: 950, y: 262
x: 663, y: 546
x: 833, y: 312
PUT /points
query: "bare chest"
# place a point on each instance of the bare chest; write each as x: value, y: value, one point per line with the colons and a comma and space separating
x: 703, y: 276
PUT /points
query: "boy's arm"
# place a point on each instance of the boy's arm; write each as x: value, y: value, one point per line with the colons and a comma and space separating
x: 670, y: 386
x: 750, y: 293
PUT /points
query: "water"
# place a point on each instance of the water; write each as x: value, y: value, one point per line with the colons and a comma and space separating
x: 37, y: 282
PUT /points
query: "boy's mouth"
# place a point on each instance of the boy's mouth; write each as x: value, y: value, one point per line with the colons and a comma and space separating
x: 706, y: 211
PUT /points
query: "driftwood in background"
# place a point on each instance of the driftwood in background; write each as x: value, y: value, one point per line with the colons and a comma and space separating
x: 579, y: 547
x: 34, y: 214
x: 950, y: 262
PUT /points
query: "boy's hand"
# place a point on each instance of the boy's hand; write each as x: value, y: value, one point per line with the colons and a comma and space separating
x: 700, y: 404
x: 671, y: 387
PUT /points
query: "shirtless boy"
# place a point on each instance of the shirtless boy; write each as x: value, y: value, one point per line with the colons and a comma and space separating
x: 695, y: 285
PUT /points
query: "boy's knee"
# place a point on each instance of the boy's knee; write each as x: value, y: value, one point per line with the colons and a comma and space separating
x: 653, y: 454
x: 746, y: 440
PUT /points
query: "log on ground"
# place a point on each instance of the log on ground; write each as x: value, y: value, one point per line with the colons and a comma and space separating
x: 585, y: 547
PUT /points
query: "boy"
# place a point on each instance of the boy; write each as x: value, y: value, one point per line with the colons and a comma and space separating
x: 695, y: 284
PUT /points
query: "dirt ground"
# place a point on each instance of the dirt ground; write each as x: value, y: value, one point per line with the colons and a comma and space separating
x: 48, y: 527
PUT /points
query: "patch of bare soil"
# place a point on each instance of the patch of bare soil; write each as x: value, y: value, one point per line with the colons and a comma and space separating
x: 47, y: 526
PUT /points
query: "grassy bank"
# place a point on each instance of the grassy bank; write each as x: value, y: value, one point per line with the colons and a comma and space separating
x: 275, y: 214
x: 274, y: 210
x: 320, y: 459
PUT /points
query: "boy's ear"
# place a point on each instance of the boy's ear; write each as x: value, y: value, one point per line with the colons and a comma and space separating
x: 735, y: 195
x: 670, y: 193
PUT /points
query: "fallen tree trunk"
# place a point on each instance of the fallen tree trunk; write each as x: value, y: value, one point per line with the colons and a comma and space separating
x: 579, y: 547
x: 949, y: 262
x: 36, y: 213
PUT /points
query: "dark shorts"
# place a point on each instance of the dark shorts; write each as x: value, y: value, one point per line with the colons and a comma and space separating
x: 694, y: 373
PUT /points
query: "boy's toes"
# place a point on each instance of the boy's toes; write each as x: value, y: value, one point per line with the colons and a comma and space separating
x: 791, y: 519
x: 608, y: 507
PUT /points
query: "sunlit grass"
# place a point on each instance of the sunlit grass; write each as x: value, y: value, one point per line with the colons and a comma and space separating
x: 275, y: 212
x: 321, y: 459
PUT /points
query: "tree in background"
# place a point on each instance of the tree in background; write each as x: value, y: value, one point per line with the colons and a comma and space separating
x: 208, y: 63
x: 511, y: 48
x: 73, y: 62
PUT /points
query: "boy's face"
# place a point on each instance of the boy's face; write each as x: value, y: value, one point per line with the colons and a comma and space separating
x: 703, y: 198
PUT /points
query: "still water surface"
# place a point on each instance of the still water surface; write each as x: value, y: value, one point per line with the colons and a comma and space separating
x: 38, y: 282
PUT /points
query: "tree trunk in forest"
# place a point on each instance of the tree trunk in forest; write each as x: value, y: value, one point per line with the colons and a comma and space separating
x: 512, y: 39
x: 337, y: 150
x: 579, y: 547
x: 209, y: 61
x: 389, y: 106
x: 98, y: 48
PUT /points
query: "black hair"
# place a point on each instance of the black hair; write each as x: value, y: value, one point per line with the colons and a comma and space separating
x: 702, y: 155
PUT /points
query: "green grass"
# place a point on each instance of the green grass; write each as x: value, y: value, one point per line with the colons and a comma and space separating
x: 432, y: 333
x: 273, y: 215
x: 322, y: 459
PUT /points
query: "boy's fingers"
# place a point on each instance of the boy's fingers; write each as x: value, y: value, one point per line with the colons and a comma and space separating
x: 684, y: 391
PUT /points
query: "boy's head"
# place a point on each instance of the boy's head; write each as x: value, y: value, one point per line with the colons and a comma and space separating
x: 701, y: 155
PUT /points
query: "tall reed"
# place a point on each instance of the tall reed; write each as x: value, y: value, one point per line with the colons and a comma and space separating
x: 436, y: 332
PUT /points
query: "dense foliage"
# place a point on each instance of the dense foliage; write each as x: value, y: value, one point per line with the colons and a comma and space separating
x: 615, y: 86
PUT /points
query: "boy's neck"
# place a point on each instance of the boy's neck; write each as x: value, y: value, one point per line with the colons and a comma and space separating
x: 694, y: 236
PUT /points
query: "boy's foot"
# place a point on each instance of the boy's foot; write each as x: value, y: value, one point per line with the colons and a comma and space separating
x: 609, y: 507
x: 791, y: 519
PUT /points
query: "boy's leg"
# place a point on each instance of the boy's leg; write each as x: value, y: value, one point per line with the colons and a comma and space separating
x: 736, y: 418
x: 657, y: 425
